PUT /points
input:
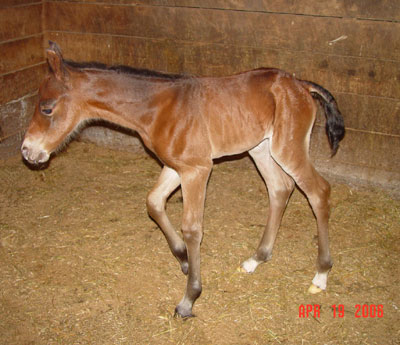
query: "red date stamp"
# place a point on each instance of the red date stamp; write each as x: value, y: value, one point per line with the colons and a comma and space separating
x: 360, y: 311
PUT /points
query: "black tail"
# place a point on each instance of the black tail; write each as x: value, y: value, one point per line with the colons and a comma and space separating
x: 334, y: 120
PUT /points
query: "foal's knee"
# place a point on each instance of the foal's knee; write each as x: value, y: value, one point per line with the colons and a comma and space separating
x: 155, y: 205
x: 192, y: 232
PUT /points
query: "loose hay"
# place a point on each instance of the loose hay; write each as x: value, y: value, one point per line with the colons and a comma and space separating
x: 82, y: 263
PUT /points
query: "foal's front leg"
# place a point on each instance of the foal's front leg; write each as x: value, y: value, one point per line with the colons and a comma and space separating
x: 194, y: 182
x: 168, y: 181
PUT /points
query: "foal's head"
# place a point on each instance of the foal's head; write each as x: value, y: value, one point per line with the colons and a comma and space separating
x: 58, y: 112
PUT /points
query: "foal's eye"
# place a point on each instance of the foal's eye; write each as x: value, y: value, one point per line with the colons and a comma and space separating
x: 47, y: 111
x: 47, y: 106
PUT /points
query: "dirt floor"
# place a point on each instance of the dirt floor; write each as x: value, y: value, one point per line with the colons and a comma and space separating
x: 82, y: 263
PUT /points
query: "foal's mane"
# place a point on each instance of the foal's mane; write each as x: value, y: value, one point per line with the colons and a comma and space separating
x: 141, y: 72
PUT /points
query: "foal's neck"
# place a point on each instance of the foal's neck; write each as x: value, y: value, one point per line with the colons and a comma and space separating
x: 128, y: 100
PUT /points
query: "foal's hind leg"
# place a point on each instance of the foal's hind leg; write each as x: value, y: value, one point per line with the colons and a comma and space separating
x: 280, y: 186
x: 293, y: 158
x: 168, y: 181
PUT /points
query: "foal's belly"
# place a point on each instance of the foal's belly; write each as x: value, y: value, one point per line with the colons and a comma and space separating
x: 235, y: 136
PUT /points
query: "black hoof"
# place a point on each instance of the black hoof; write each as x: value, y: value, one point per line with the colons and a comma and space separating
x: 183, y: 314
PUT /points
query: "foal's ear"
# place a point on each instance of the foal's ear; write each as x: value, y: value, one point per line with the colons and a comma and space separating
x: 55, y: 61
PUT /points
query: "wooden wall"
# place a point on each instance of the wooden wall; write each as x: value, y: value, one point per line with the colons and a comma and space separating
x: 350, y: 47
x: 21, y: 68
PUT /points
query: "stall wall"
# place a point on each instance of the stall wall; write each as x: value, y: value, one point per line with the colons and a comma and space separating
x: 21, y: 68
x: 350, y: 47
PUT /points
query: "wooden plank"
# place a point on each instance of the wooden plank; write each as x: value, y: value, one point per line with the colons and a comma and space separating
x: 376, y: 10
x: 374, y: 115
x: 362, y: 149
x: 15, y: 116
x: 339, y: 74
x: 16, y: 85
x: 20, y: 54
x: 17, y: 22
x: 85, y: 47
x: 370, y: 114
x: 334, y: 36
x: 11, y: 3
x: 14, y: 119
x: 357, y: 148
x: 383, y: 10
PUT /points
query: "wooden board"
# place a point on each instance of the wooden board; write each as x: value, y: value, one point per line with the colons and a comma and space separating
x: 19, y: 54
x: 378, y: 10
x: 21, y: 58
x: 18, y: 84
x: 18, y: 22
x: 14, y: 119
x: 13, y: 3
x: 360, y: 149
x: 356, y: 38
x: 370, y: 114
x: 340, y: 74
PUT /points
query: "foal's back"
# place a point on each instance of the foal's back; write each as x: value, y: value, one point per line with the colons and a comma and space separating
x: 231, y: 115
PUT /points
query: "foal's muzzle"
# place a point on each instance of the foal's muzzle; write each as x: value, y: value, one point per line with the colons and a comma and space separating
x: 34, y: 155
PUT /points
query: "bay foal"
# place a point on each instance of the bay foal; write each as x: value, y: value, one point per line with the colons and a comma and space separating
x: 187, y: 122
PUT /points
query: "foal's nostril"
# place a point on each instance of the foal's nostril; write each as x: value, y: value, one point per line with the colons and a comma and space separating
x: 24, y: 151
x: 43, y: 157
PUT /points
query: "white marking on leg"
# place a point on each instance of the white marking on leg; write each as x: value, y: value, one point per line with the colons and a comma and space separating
x: 250, y: 265
x: 320, y: 280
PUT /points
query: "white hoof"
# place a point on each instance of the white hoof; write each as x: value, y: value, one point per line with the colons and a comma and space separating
x: 314, y: 289
x: 241, y: 270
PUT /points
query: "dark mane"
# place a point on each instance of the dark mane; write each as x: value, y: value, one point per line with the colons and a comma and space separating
x: 122, y: 69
